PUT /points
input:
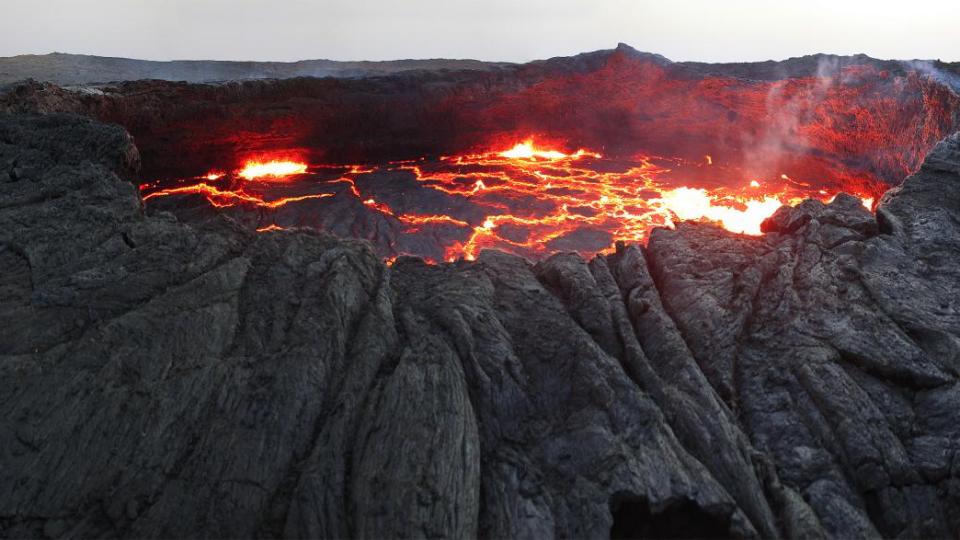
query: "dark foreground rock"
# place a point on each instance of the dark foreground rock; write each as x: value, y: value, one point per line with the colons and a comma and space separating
x: 165, y: 379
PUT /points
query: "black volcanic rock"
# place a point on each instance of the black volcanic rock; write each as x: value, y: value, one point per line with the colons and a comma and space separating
x: 163, y: 378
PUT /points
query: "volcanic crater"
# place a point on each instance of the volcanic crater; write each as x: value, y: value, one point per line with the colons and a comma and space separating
x: 610, y: 324
x: 568, y: 154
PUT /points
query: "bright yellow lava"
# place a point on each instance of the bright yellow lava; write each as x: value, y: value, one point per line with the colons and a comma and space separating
x: 528, y: 150
x: 695, y: 204
x: 271, y: 169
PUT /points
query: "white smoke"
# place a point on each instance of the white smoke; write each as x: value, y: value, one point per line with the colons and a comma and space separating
x: 790, y: 104
x: 926, y: 67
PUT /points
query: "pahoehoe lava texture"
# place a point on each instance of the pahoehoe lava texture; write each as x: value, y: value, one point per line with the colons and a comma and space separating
x: 163, y: 378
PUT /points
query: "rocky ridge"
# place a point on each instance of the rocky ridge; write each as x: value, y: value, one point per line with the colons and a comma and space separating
x: 164, y: 378
x: 83, y: 69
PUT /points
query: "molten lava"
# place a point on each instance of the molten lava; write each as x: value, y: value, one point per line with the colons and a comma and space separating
x: 528, y: 150
x: 253, y: 170
x: 528, y: 199
x: 696, y: 204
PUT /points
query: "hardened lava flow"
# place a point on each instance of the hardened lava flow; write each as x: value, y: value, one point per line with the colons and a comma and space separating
x: 527, y: 199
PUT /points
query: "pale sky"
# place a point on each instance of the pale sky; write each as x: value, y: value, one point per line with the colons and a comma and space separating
x: 704, y: 30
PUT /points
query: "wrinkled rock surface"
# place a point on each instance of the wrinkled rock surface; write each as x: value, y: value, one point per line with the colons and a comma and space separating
x: 163, y: 378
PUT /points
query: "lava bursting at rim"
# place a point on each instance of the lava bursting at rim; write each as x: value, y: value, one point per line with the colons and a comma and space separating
x: 531, y: 198
x: 270, y: 169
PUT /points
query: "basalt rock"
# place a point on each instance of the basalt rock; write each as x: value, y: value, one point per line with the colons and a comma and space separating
x: 165, y: 378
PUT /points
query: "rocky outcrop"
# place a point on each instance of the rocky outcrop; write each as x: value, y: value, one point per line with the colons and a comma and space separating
x: 164, y: 378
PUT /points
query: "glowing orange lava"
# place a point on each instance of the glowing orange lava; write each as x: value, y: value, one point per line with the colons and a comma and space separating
x: 270, y: 169
x: 527, y: 199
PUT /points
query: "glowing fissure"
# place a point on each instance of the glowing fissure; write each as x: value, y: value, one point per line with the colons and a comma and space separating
x: 531, y: 197
x: 222, y: 198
